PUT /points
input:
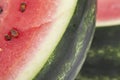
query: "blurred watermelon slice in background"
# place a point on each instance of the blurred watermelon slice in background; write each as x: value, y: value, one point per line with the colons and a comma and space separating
x: 108, y: 12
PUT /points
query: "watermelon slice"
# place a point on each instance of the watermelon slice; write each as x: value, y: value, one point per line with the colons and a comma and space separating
x: 108, y: 12
x: 29, y: 32
x: 70, y: 53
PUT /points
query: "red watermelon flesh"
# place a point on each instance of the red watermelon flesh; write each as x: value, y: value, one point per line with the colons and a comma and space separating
x: 108, y: 12
x: 26, y: 27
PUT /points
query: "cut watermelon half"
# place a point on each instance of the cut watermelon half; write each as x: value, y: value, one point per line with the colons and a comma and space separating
x: 108, y: 12
x: 29, y: 32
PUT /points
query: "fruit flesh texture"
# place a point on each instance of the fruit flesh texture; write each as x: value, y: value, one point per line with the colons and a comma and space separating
x: 12, y: 52
x: 108, y: 12
x: 33, y: 26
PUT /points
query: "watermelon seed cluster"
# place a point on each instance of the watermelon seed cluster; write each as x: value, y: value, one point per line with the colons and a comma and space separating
x: 12, y: 34
x: 23, y: 7
x: 1, y: 10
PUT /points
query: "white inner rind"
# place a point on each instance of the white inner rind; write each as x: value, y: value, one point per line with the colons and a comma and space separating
x: 107, y: 23
x: 59, y: 26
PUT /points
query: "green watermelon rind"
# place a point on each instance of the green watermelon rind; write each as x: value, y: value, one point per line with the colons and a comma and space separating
x: 103, y: 59
x: 82, y: 24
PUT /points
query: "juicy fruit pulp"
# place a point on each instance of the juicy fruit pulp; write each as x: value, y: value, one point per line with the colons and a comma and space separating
x: 29, y: 32
x: 108, y: 12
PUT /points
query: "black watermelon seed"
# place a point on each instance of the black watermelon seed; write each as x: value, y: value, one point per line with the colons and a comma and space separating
x: 8, y: 37
x: 23, y: 7
x: 1, y: 10
x: 14, y: 33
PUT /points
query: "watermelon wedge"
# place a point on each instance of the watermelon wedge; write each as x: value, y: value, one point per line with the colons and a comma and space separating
x: 108, y: 12
x: 29, y: 32
x: 69, y: 55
